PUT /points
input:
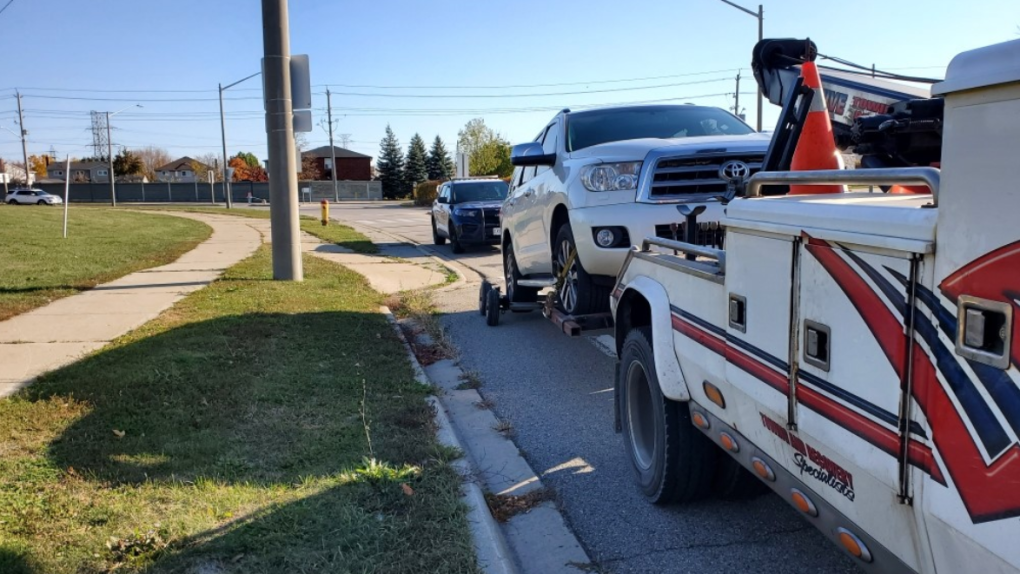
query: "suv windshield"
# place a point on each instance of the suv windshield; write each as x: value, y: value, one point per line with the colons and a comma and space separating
x: 479, y: 191
x: 597, y: 127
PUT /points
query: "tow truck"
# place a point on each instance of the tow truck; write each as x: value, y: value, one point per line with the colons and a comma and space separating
x: 856, y: 352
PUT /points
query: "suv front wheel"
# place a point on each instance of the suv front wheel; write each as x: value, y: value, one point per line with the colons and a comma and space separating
x: 577, y: 293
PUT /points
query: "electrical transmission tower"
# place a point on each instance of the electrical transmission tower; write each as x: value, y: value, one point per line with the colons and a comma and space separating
x: 100, y: 137
x: 345, y: 141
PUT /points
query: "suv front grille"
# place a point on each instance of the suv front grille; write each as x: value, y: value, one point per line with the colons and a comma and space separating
x: 709, y: 233
x: 684, y: 176
x: 491, y: 217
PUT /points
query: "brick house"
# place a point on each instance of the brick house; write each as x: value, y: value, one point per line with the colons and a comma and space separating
x: 350, y: 165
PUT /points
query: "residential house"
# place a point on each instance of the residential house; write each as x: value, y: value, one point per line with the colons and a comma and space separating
x: 81, y: 171
x: 350, y: 165
x: 181, y: 170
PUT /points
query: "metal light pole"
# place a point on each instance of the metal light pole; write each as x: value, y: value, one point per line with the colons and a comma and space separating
x: 223, y: 134
x: 109, y: 154
x: 760, y: 15
x: 283, y: 183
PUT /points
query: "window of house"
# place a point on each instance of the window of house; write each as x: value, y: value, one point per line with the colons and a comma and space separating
x: 101, y: 172
x: 184, y: 173
x: 327, y: 163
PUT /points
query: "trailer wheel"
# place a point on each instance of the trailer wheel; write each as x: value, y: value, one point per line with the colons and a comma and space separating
x: 673, y: 461
x: 483, y: 290
x: 492, y: 307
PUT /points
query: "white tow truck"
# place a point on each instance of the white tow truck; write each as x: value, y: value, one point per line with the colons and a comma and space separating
x: 856, y: 352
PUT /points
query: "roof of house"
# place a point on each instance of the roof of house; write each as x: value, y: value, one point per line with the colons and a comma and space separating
x: 323, y: 152
x: 180, y: 164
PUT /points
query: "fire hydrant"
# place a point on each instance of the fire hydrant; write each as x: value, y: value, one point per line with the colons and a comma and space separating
x: 325, y: 212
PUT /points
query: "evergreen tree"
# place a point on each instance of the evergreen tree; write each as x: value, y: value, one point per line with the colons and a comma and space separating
x: 415, y: 167
x: 440, y: 165
x: 391, y: 166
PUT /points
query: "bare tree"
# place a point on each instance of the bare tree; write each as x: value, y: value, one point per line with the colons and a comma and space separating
x: 152, y: 157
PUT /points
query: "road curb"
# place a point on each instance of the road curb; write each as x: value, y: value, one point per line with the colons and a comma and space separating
x: 491, y: 548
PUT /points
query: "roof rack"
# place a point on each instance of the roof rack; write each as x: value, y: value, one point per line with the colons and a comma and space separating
x: 474, y: 177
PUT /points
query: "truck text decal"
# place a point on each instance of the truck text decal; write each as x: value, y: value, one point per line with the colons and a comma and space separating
x: 812, y: 462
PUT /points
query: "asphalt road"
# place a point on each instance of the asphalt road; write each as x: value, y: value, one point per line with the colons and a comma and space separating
x: 557, y: 393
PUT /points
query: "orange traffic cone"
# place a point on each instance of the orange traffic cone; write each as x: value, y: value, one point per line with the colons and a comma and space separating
x: 816, y: 148
x: 912, y: 189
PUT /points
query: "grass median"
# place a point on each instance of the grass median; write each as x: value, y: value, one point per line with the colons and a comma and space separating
x: 337, y: 233
x: 256, y: 427
x: 37, y: 265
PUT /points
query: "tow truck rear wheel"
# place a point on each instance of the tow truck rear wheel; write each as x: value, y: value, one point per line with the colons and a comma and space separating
x: 734, y: 482
x: 673, y: 461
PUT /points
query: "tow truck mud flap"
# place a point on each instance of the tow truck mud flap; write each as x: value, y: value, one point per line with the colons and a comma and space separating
x: 825, y: 517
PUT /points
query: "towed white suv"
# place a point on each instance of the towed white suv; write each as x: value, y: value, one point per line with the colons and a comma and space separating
x: 599, y: 181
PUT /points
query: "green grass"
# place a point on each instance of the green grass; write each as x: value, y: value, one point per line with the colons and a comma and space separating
x: 341, y: 235
x: 255, y: 427
x: 37, y: 265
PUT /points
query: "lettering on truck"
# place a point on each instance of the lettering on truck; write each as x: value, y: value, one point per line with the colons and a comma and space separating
x: 811, y: 462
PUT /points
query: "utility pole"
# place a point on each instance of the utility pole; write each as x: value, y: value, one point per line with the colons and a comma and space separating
x: 109, y: 158
x: 24, y: 143
x: 736, y: 97
x: 287, y: 265
x: 760, y: 15
x: 332, y: 148
x: 223, y: 132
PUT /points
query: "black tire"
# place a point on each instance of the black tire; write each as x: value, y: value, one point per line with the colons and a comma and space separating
x: 673, y: 461
x: 455, y: 245
x: 436, y: 238
x: 734, y: 482
x: 578, y: 295
x: 514, y: 292
x: 492, y: 307
x: 40, y: 202
x: 483, y: 290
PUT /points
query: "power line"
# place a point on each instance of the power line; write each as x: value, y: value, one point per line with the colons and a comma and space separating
x: 5, y: 6
x: 452, y: 96
x: 134, y: 99
x: 482, y: 87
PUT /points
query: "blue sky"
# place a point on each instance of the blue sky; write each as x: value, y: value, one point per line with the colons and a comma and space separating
x: 429, y: 67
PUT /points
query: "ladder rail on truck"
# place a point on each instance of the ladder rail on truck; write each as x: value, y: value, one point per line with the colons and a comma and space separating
x: 857, y: 352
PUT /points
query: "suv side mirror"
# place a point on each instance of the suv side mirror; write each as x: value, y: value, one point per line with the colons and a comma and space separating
x: 531, y: 153
x: 442, y: 199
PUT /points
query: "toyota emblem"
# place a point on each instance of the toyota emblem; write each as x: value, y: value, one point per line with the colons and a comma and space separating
x: 734, y: 171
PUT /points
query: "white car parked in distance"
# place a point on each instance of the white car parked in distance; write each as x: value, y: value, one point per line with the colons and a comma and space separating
x: 31, y: 197
x: 596, y: 182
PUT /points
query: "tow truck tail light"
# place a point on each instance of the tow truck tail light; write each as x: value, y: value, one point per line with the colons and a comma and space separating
x: 853, y: 544
x: 762, y: 469
x: 700, y: 420
x: 714, y: 394
x: 728, y: 442
x: 803, y: 503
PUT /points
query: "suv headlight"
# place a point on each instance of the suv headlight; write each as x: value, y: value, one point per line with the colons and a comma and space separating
x: 611, y: 176
x: 465, y: 212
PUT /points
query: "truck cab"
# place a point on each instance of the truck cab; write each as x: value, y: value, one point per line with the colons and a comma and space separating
x: 855, y: 352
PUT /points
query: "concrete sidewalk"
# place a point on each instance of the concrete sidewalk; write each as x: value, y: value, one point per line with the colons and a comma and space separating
x: 397, y: 267
x: 59, y: 333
